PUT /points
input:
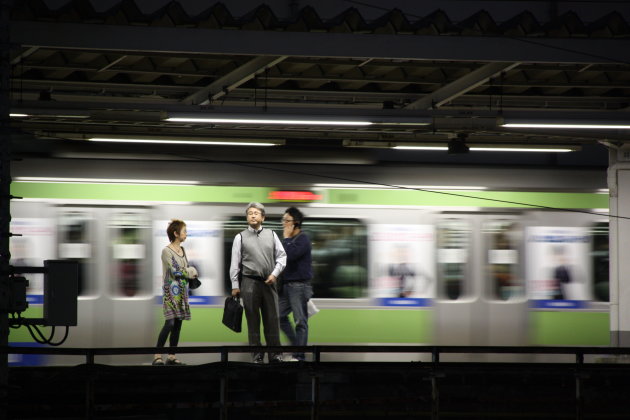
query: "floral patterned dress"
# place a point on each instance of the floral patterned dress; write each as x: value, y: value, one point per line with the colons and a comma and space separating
x: 175, y: 285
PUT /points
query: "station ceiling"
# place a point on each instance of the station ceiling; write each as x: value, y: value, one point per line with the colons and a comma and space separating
x: 78, y: 74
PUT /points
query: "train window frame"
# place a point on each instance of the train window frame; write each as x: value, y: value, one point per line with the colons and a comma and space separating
x: 145, y: 288
x: 340, y: 271
x: 593, y: 254
x: 517, y: 268
x: 466, y: 290
x: 93, y: 289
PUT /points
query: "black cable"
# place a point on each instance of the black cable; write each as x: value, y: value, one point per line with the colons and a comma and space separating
x: 62, y: 340
x: 41, y: 339
x: 495, y: 200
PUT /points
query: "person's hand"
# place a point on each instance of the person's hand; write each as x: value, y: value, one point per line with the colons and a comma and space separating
x: 271, y: 279
x: 236, y: 292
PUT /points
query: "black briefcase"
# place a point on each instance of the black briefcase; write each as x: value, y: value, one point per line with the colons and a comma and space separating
x: 233, y: 313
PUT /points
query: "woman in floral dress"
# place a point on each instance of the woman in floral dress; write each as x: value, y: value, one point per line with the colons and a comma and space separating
x: 175, y: 275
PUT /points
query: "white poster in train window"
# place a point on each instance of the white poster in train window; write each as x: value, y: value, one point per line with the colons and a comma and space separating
x: 402, y: 261
x: 36, y: 244
x: 558, y: 263
x: 204, y: 250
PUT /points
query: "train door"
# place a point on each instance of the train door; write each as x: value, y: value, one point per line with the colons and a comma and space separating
x: 128, y: 283
x: 75, y: 241
x: 504, y: 298
x: 480, y: 295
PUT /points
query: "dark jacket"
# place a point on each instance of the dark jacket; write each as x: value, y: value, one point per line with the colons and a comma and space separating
x: 299, y: 262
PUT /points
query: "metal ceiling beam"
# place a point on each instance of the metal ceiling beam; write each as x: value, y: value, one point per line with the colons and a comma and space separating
x: 461, y: 86
x: 309, y: 44
x: 225, y: 84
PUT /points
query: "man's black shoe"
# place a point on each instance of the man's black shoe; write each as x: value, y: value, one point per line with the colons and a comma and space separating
x: 275, y: 359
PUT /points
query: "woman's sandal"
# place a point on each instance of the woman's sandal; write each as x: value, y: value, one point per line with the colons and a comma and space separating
x: 174, y: 362
x: 158, y: 362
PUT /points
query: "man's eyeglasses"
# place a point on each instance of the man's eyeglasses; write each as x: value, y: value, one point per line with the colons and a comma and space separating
x: 286, y: 220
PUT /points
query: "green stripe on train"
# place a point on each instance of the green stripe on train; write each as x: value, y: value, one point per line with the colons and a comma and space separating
x: 468, y: 198
x: 570, y: 328
x: 231, y: 194
x: 328, y: 326
x: 197, y: 193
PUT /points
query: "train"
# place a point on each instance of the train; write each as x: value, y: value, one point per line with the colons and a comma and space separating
x: 402, y: 254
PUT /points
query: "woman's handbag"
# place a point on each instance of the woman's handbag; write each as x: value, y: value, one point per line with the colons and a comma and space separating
x: 194, y: 283
x: 233, y: 313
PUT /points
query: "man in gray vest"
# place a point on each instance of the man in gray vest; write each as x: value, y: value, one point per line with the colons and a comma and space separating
x: 258, y: 258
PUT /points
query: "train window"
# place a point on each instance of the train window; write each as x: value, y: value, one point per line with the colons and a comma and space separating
x: 453, y: 240
x: 600, y: 261
x: 35, y: 244
x: 128, y: 235
x: 503, y: 239
x: 74, y: 244
x: 339, y: 254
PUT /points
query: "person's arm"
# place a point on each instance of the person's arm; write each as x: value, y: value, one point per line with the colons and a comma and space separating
x: 235, y: 266
x: 166, y: 267
x: 297, y: 248
x: 281, y: 259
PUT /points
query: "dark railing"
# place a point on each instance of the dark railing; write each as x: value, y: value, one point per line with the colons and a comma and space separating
x: 434, y: 368
x: 317, y: 350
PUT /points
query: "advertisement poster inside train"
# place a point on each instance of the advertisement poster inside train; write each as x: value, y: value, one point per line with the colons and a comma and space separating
x: 558, y: 263
x: 202, y: 245
x: 402, y: 261
x: 35, y: 244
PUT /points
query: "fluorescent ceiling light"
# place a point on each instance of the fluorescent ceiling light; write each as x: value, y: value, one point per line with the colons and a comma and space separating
x: 420, y: 147
x: 491, y: 149
x: 584, y: 126
x: 278, y: 121
x: 248, y: 142
x: 18, y: 115
x: 520, y: 149
x: 44, y: 179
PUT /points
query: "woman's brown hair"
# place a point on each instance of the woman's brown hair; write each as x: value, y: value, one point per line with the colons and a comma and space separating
x: 176, y: 225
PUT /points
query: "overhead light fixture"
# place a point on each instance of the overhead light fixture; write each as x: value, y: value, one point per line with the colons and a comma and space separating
x: 218, y: 142
x: 567, y: 123
x: 479, y: 147
x: 278, y: 121
x: 569, y: 126
x: 21, y: 112
x: 291, y: 117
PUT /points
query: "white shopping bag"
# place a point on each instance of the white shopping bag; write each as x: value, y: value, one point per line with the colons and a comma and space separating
x: 311, y: 308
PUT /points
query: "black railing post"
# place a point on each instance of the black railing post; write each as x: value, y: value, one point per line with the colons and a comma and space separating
x: 89, y: 384
x: 316, y: 354
x: 223, y: 410
x: 435, y: 392
x: 579, y: 361
x: 315, y: 396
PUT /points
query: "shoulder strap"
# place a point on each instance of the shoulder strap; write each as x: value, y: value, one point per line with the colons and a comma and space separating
x: 240, y: 262
x: 185, y: 257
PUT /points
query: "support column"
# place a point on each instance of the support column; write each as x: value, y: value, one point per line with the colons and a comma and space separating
x: 5, y: 214
x: 619, y: 185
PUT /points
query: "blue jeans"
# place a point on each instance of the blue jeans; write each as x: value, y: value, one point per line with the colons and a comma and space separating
x: 293, y: 299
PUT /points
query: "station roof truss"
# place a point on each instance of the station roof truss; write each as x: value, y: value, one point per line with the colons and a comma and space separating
x: 77, y: 73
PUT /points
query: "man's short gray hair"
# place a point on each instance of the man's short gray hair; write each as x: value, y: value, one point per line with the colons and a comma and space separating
x: 255, y: 205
